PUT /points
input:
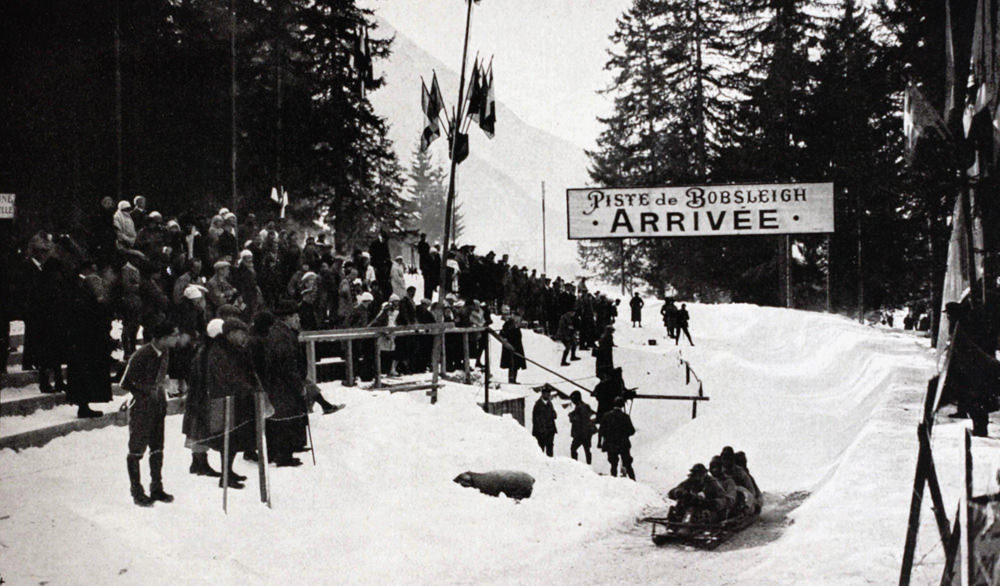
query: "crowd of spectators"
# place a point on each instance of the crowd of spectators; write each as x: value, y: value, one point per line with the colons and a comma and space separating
x: 210, y: 307
x: 132, y: 264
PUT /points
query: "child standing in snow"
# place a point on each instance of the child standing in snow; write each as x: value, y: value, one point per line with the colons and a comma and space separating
x: 145, y: 377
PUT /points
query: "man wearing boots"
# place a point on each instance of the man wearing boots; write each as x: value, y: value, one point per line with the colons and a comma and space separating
x: 145, y: 377
x: 582, y: 428
x: 567, y: 335
x: 616, y: 429
x: 543, y: 422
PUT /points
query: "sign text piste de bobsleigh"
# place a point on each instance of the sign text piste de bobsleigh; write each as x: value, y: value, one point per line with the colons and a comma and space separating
x: 699, y: 210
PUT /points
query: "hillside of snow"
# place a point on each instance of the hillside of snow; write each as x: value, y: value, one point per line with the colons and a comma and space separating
x: 499, y: 185
x: 825, y: 408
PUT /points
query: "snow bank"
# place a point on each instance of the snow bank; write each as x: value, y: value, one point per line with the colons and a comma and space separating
x: 825, y: 409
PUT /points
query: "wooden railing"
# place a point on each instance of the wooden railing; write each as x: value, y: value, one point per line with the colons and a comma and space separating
x: 438, y: 355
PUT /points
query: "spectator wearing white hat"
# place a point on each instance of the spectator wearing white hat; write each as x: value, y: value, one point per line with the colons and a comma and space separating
x: 124, y: 225
x: 388, y: 316
x: 365, y: 349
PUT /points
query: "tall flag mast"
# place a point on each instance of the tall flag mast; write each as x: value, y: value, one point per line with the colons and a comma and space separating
x: 481, y: 109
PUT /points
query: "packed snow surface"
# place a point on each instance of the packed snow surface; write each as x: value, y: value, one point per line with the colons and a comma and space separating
x: 825, y: 409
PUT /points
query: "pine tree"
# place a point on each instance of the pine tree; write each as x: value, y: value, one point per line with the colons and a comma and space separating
x: 428, y: 195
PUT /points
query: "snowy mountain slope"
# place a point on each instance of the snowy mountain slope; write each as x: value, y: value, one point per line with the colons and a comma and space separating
x: 499, y: 185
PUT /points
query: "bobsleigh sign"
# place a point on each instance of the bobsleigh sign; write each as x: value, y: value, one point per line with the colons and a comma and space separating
x: 699, y: 210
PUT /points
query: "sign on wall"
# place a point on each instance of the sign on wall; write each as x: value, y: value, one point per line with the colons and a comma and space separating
x: 6, y: 206
x: 699, y: 210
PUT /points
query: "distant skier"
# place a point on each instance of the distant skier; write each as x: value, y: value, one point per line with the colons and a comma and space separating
x: 616, y: 429
x: 682, y: 325
x: 543, y: 422
x: 582, y: 428
x: 636, y: 304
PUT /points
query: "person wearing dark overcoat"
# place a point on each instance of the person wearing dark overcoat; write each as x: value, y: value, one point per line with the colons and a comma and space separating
x: 616, y: 429
x: 230, y: 373
x: 682, y: 325
x: 582, y: 426
x: 196, y: 425
x: 512, y: 355
x: 191, y: 317
x: 146, y: 378
x: 567, y: 335
x: 605, y: 351
x: 284, y: 381
x: 606, y: 391
x: 543, y: 422
x: 45, y: 339
x: 88, y: 373
x: 636, y: 303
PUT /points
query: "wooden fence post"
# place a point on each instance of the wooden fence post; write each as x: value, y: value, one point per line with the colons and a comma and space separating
x: 435, y: 374
x: 350, y: 363
x: 486, y: 375
x: 378, y: 366
x: 311, y: 361
x: 465, y: 357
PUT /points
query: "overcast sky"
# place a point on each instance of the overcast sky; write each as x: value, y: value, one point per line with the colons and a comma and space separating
x: 549, y: 55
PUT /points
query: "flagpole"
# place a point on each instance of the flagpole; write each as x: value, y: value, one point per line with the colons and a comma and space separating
x: 232, y: 99
x: 448, y: 211
x: 544, y: 249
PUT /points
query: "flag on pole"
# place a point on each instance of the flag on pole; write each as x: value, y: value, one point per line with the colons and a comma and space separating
x: 437, y: 98
x: 477, y: 94
x: 274, y: 195
x: 918, y: 114
x: 461, y: 147
x: 488, y: 116
x: 432, y: 108
x: 977, y: 117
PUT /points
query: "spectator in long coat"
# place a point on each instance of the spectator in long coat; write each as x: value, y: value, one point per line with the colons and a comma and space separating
x: 191, y: 317
x: 636, y: 303
x: 124, y: 226
x: 88, y: 375
x: 512, y: 355
x: 432, y: 273
x: 582, y: 426
x: 567, y: 335
x: 605, y: 351
x: 230, y: 373
x: 45, y: 316
x: 543, y: 422
x: 397, y: 277
x: 196, y: 424
x: 616, y: 429
x: 284, y: 381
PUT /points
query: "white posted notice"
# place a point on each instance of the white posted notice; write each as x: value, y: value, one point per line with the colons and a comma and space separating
x: 6, y: 206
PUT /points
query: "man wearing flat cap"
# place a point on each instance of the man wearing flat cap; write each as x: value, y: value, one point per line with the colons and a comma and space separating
x: 220, y: 290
